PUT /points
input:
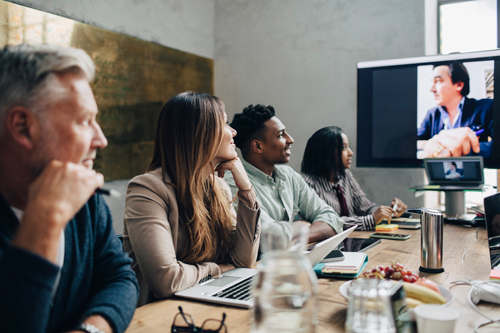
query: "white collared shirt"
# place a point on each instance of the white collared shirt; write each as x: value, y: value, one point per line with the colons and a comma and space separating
x: 445, y: 117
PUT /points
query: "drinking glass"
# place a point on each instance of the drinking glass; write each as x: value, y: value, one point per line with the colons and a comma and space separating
x: 369, y: 308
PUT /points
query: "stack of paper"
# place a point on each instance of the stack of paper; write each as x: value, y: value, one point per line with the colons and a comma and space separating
x: 404, y: 219
x: 495, y: 274
x: 386, y: 227
x: 350, y: 267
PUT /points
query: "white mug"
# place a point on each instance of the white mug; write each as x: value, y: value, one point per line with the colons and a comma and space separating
x: 436, y: 318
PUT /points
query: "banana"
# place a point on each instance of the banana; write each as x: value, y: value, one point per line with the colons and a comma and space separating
x: 412, y: 303
x: 423, y: 294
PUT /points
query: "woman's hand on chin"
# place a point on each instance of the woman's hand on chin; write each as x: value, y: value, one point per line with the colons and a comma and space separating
x: 239, y: 174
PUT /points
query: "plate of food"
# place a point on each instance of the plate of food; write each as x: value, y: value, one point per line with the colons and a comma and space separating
x: 418, y: 290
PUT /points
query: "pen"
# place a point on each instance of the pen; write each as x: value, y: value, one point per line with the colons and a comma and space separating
x: 394, y: 209
x: 479, y: 132
x: 110, y: 192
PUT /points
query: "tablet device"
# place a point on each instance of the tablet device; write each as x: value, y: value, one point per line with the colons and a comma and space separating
x: 359, y: 244
x: 384, y: 235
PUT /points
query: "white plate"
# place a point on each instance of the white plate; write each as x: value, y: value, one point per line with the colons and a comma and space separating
x: 448, y: 296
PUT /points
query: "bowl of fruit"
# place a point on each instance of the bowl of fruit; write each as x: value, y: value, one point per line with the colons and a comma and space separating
x: 418, y: 290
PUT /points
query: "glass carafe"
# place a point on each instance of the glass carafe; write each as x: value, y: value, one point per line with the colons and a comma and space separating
x: 285, y: 290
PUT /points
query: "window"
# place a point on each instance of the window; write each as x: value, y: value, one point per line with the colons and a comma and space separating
x: 26, y: 25
x: 466, y: 26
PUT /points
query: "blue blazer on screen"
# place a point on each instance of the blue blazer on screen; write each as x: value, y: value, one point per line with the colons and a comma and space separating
x: 475, y: 114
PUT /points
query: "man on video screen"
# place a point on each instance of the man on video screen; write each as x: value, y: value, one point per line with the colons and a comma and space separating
x: 458, y: 125
x: 452, y: 171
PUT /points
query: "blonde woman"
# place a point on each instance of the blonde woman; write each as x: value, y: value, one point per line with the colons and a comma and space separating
x: 180, y: 227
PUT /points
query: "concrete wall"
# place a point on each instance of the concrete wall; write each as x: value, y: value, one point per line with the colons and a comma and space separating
x: 300, y: 57
x: 186, y: 25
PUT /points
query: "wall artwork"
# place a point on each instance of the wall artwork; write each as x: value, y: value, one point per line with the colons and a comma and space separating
x: 134, y: 78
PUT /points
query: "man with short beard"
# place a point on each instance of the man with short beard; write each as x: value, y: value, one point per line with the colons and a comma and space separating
x: 287, y: 202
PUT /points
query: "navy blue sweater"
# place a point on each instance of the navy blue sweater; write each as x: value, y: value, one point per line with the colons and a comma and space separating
x: 96, y: 277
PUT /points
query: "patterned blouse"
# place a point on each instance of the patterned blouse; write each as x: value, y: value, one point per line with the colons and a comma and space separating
x: 360, y: 208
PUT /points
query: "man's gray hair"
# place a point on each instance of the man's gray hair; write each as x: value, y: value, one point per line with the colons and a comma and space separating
x: 27, y: 74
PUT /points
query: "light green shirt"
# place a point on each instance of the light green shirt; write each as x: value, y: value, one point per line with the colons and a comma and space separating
x: 284, y: 198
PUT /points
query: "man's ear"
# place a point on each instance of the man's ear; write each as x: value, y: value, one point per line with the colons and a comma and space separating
x: 459, y: 86
x: 20, y: 124
x: 256, y: 146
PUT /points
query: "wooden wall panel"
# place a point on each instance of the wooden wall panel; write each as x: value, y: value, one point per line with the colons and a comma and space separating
x: 134, y: 78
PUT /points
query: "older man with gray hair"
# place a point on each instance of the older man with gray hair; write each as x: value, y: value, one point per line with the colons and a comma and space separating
x: 62, y: 268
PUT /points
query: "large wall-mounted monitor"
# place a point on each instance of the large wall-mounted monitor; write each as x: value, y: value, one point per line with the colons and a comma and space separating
x: 415, y: 108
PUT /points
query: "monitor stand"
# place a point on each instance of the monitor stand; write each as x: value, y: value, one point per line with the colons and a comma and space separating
x: 454, y: 203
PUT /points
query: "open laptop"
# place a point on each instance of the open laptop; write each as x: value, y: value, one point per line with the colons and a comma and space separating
x: 453, y: 173
x: 234, y: 287
x: 492, y: 213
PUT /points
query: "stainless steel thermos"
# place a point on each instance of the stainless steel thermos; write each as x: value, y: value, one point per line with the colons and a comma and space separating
x: 431, y: 255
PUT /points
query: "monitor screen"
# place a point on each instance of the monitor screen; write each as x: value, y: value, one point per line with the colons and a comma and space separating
x: 454, y: 170
x: 416, y: 108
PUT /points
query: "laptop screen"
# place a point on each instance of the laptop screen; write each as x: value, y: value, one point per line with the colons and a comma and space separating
x: 455, y: 170
x: 492, y: 212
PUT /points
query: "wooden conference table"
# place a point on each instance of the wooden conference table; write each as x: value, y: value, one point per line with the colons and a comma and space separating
x: 466, y: 254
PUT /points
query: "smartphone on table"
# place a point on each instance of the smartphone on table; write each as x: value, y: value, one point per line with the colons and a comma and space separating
x: 389, y: 236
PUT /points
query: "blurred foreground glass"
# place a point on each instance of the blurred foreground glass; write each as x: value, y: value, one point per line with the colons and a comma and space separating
x: 436, y: 318
x: 184, y: 322
x: 285, y: 289
x: 369, y: 308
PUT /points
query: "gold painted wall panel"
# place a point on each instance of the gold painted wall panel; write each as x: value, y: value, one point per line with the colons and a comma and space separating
x: 134, y: 78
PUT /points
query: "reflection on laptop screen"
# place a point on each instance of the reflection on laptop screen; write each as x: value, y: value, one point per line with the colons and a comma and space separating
x: 458, y: 170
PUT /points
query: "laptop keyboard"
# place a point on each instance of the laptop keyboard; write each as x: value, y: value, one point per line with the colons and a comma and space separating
x: 240, y: 291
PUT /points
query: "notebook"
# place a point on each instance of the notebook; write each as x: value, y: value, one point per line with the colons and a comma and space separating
x: 492, y: 213
x: 405, y: 223
x: 453, y: 173
x: 234, y: 287
x: 351, y: 267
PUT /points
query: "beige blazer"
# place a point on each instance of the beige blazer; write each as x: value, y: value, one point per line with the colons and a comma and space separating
x: 154, y: 236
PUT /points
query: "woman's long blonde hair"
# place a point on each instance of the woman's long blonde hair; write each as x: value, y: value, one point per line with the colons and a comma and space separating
x: 189, y: 134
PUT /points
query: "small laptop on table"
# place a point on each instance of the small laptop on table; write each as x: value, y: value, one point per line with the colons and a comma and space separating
x: 234, y: 287
x: 453, y: 174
